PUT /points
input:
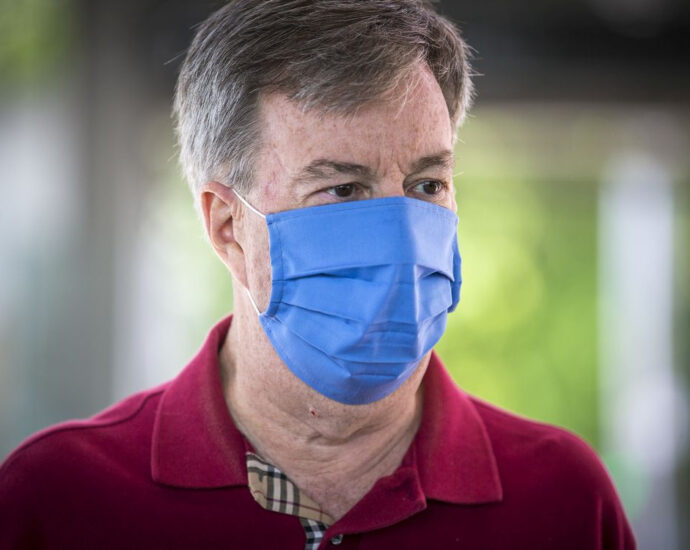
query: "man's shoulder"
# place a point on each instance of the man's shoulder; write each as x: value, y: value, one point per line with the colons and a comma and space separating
x: 67, y: 445
x: 542, y: 455
x: 556, y: 478
x: 514, y: 429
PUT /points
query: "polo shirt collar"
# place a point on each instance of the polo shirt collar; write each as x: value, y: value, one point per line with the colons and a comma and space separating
x: 196, y: 444
x: 454, y: 457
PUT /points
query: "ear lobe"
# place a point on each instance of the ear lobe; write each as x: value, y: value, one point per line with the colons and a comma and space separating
x: 219, y: 209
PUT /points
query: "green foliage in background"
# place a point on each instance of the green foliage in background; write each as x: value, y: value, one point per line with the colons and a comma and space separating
x: 35, y: 39
x: 524, y: 335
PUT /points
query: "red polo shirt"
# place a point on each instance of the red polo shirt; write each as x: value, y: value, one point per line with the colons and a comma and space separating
x: 166, y: 468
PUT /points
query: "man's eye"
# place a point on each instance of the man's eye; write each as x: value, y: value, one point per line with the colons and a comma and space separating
x: 343, y: 191
x: 429, y: 187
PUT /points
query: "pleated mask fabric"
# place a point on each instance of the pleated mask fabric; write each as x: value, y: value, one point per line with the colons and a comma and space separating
x: 360, y: 291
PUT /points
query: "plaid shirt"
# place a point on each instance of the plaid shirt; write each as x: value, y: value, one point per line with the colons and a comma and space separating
x: 274, y: 491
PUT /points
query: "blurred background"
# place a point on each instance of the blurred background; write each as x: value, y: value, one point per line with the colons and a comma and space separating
x: 573, y: 190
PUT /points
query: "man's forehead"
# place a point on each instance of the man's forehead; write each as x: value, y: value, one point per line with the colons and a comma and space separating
x: 413, y: 82
x: 414, y: 127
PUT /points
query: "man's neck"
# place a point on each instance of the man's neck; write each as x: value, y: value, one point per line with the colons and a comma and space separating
x: 333, y: 452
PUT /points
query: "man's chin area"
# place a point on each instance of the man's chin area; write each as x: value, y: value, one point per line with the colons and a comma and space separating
x: 336, y: 420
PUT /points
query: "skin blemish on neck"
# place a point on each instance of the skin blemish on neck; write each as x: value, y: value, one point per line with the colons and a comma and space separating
x: 312, y: 411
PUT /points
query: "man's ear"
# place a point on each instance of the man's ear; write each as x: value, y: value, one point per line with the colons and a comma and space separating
x: 219, y: 209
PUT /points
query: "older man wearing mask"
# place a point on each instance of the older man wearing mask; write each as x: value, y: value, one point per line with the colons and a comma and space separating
x: 317, y: 137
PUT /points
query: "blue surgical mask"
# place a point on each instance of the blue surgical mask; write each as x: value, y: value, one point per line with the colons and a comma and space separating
x: 360, y: 292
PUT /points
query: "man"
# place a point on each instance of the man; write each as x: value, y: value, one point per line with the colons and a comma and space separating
x: 317, y: 137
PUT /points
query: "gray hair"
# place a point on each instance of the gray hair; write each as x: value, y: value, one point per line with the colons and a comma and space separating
x: 329, y: 55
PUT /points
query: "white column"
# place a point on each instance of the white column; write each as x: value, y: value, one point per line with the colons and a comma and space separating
x: 639, y: 393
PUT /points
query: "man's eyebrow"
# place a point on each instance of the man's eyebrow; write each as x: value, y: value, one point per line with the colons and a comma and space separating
x: 325, y: 168
x: 443, y: 159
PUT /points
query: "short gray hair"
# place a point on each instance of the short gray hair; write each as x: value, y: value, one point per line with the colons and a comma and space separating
x: 330, y: 55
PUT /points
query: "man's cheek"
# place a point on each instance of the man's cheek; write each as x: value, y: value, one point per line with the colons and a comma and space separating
x: 260, y: 270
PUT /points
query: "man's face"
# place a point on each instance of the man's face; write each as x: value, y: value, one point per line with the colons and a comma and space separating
x: 396, y: 147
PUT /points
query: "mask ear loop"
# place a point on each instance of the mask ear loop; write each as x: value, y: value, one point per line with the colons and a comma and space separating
x: 251, y: 299
x: 246, y: 203
x: 250, y: 207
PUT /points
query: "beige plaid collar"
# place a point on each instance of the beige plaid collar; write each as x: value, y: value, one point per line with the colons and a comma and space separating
x: 274, y: 491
